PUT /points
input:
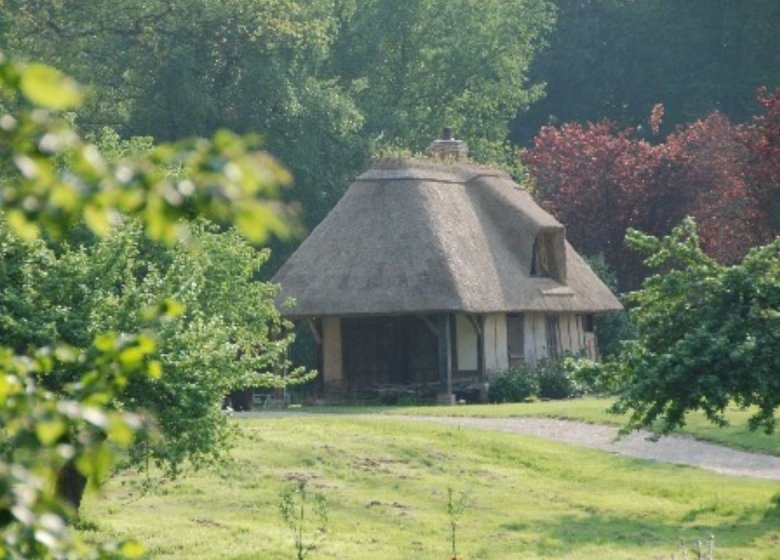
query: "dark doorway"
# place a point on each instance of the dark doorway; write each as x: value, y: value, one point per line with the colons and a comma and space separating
x: 381, y: 351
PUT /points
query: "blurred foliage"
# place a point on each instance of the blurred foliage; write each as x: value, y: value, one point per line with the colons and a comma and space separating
x: 83, y: 353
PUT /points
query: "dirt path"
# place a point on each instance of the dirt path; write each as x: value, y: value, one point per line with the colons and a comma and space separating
x: 670, y: 449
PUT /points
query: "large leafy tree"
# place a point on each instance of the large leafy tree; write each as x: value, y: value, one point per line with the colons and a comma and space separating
x: 51, y: 179
x: 168, y: 69
x: 615, y: 59
x: 707, y: 334
x: 419, y: 65
x: 600, y: 180
x: 321, y: 79
x: 228, y: 334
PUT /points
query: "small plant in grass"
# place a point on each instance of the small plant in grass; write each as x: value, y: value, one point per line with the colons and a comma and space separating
x: 455, y: 507
x: 306, y: 516
x: 701, y: 550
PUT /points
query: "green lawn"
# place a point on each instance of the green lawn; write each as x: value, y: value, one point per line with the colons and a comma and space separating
x: 736, y: 434
x: 386, y: 482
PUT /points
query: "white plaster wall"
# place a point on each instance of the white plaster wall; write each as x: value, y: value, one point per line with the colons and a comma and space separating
x: 331, y: 350
x: 496, y: 355
x: 533, y: 350
x: 466, y: 343
x: 568, y: 326
x: 571, y: 335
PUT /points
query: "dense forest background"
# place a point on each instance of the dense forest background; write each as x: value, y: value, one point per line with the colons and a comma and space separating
x: 329, y: 83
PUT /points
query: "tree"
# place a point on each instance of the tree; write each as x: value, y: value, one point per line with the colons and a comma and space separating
x: 52, y: 179
x: 227, y: 334
x: 168, y: 69
x: 708, y: 334
x: 600, y: 181
x: 322, y: 80
x: 424, y: 64
x: 761, y: 139
x: 615, y: 59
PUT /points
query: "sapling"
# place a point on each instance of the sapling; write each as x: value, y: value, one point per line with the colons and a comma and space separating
x: 455, y: 507
x: 294, y: 504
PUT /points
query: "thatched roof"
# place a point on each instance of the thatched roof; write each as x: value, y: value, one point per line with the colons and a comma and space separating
x: 421, y: 237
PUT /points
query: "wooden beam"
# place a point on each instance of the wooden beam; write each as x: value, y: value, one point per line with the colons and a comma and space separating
x: 476, y: 322
x: 481, y: 361
x: 445, y: 356
x: 314, y: 332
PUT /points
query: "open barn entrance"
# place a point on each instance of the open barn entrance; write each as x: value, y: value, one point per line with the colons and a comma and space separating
x: 390, y: 357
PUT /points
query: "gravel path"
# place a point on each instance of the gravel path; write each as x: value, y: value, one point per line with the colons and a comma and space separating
x: 669, y: 449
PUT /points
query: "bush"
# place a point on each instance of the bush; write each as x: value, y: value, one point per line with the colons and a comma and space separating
x: 592, y: 377
x: 514, y: 385
x: 556, y: 378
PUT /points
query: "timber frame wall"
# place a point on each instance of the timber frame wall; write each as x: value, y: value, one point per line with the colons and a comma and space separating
x: 459, y: 347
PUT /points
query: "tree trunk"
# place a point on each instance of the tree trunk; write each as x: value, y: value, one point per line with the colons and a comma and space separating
x: 71, y: 485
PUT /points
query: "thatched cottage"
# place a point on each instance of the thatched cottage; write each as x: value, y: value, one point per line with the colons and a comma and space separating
x: 439, y: 273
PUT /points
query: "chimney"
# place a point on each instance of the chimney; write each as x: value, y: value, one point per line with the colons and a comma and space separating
x: 448, y: 147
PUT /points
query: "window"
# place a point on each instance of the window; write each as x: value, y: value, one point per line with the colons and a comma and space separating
x: 549, y: 255
x: 589, y: 323
x: 540, y: 261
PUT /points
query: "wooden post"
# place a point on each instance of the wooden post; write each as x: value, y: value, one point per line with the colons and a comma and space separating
x: 481, y: 365
x: 332, y: 361
x: 445, y: 359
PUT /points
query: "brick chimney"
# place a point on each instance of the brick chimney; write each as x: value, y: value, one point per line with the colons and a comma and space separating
x: 447, y: 147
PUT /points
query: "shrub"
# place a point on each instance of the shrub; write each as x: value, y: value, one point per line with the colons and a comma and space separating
x: 514, y: 385
x: 592, y: 377
x: 556, y: 380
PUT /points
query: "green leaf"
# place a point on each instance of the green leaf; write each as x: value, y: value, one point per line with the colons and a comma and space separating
x: 97, y: 220
x: 119, y: 432
x: 105, y: 342
x: 5, y: 387
x: 95, y: 464
x: 132, y: 356
x: 171, y: 308
x: 49, y: 88
x: 49, y: 431
x: 132, y: 549
x: 21, y: 226
x: 155, y: 369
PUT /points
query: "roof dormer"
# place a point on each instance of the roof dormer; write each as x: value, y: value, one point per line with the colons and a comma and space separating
x: 549, y: 254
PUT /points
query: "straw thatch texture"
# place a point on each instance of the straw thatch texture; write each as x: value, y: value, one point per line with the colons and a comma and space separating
x: 420, y: 237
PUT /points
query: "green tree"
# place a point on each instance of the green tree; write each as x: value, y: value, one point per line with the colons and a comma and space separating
x: 321, y: 79
x: 708, y: 334
x: 616, y: 59
x: 168, y: 69
x: 228, y: 334
x: 419, y: 65
x: 52, y: 179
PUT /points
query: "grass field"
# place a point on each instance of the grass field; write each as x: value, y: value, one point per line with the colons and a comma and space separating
x: 736, y: 434
x: 386, y: 484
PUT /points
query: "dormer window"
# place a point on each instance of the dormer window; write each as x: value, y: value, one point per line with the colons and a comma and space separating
x: 540, y: 261
x: 549, y: 255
